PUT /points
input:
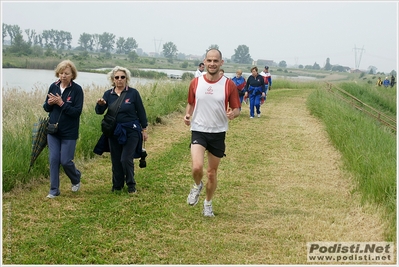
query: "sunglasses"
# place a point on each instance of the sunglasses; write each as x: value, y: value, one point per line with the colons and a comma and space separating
x: 122, y: 77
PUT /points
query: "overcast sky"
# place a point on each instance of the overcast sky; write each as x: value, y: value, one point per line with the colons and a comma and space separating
x: 297, y: 32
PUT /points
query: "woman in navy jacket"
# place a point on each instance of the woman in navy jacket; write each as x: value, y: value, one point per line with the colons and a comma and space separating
x: 255, y: 89
x: 64, y: 102
x: 131, y: 128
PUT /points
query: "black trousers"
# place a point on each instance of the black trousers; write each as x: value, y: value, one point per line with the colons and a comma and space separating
x: 122, y: 158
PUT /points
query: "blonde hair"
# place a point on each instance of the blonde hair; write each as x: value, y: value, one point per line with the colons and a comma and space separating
x: 65, y: 64
x: 111, y: 74
x: 239, y: 72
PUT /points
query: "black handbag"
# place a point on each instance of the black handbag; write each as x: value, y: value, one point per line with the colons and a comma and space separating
x: 108, y: 124
x: 52, y: 128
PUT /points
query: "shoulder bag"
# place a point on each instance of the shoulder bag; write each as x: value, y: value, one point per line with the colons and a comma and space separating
x: 108, y: 124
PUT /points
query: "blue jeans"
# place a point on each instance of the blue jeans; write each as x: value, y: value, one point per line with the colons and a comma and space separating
x: 61, y: 152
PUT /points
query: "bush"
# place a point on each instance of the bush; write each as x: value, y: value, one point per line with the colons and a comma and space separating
x: 187, y: 76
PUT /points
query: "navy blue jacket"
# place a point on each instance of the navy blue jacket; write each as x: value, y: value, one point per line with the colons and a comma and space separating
x: 257, y: 83
x: 68, y: 124
x: 132, y: 107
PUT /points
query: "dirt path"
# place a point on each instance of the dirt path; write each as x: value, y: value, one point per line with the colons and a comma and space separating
x: 299, y: 194
x: 280, y: 186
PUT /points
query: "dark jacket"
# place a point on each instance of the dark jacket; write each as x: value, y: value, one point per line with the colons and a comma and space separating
x: 132, y: 107
x: 68, y: 124
x: 255, y: 85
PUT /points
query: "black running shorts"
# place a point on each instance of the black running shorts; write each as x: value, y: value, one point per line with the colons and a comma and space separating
x: 213, y: 142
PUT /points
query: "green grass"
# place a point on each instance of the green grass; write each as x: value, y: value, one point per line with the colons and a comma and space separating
x: 156, y: 226
x: 159, y: 99
x: 368, y: 149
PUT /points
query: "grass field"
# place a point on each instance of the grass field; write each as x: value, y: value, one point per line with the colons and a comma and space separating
x: 284, y: 182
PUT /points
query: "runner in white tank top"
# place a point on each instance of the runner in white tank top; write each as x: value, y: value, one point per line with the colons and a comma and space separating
x: 212, y: 101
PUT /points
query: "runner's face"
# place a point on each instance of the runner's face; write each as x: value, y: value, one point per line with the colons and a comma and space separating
x: 213, y: 62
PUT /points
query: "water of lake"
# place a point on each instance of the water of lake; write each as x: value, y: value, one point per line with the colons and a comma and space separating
x: 28, y: 79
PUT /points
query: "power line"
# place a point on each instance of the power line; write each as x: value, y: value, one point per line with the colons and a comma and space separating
x: 357, y: 60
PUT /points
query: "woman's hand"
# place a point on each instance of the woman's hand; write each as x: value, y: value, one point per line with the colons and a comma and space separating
x: 101, y: 101
x: 145, y: 135
x: 54, y: 99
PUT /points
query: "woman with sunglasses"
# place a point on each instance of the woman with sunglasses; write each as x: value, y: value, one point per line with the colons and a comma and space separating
x: 130, y: 131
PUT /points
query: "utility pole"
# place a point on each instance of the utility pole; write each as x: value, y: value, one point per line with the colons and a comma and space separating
x: 159, y: 45
x: 357, y: 60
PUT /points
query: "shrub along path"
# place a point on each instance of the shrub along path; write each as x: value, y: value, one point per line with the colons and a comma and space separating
x: 280, y: 186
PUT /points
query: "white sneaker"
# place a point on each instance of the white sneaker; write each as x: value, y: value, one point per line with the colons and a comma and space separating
x: 259, y: 115
x: 251, y: 117
x: 75, y: 187
x: 193, y: 197
x: 208, y: 212
x: 52, y: 196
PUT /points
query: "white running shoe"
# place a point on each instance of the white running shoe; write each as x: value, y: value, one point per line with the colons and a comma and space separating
x: 75, y: 187
x: 193, y: 197
x: 208, y: 212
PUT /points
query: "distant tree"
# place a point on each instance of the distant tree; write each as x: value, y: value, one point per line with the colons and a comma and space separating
x: 96, y: 42
x: 19, y: 46
x: 107, y: 41
x: 130, y: 45
x: 48, y: 37
x: 308, y: 67
x: 49, y: 51
x: 282, y: 64
x: 372, y: 70
x: 119, y: 45
x: 4, y: 32
x: 85, y: 41
x: 328, y: 65
x: 37, y: 51
x: 338, y: 68
x: 132, y: 56
x: 31, y: 36
x: 38, y: 40
x: 316, y: 66
x: 12, y: 31
x: 241, y: 55
x: 169, y: 50
x: 393, y: 72
x: 300, y: 67
x: 184, y: 65
x: 61, y: 39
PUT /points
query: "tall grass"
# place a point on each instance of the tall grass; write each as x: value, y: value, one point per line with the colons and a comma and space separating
x: 368, y: 148
x: 291, y: 84
x: 22, y: 109
x: 381, y: 98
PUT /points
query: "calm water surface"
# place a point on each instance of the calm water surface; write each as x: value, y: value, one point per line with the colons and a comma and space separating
x: 29, y: 79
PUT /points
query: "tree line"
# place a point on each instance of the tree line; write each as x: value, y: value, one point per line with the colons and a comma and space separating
x: 50, y: 40
x: 105, y: 42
